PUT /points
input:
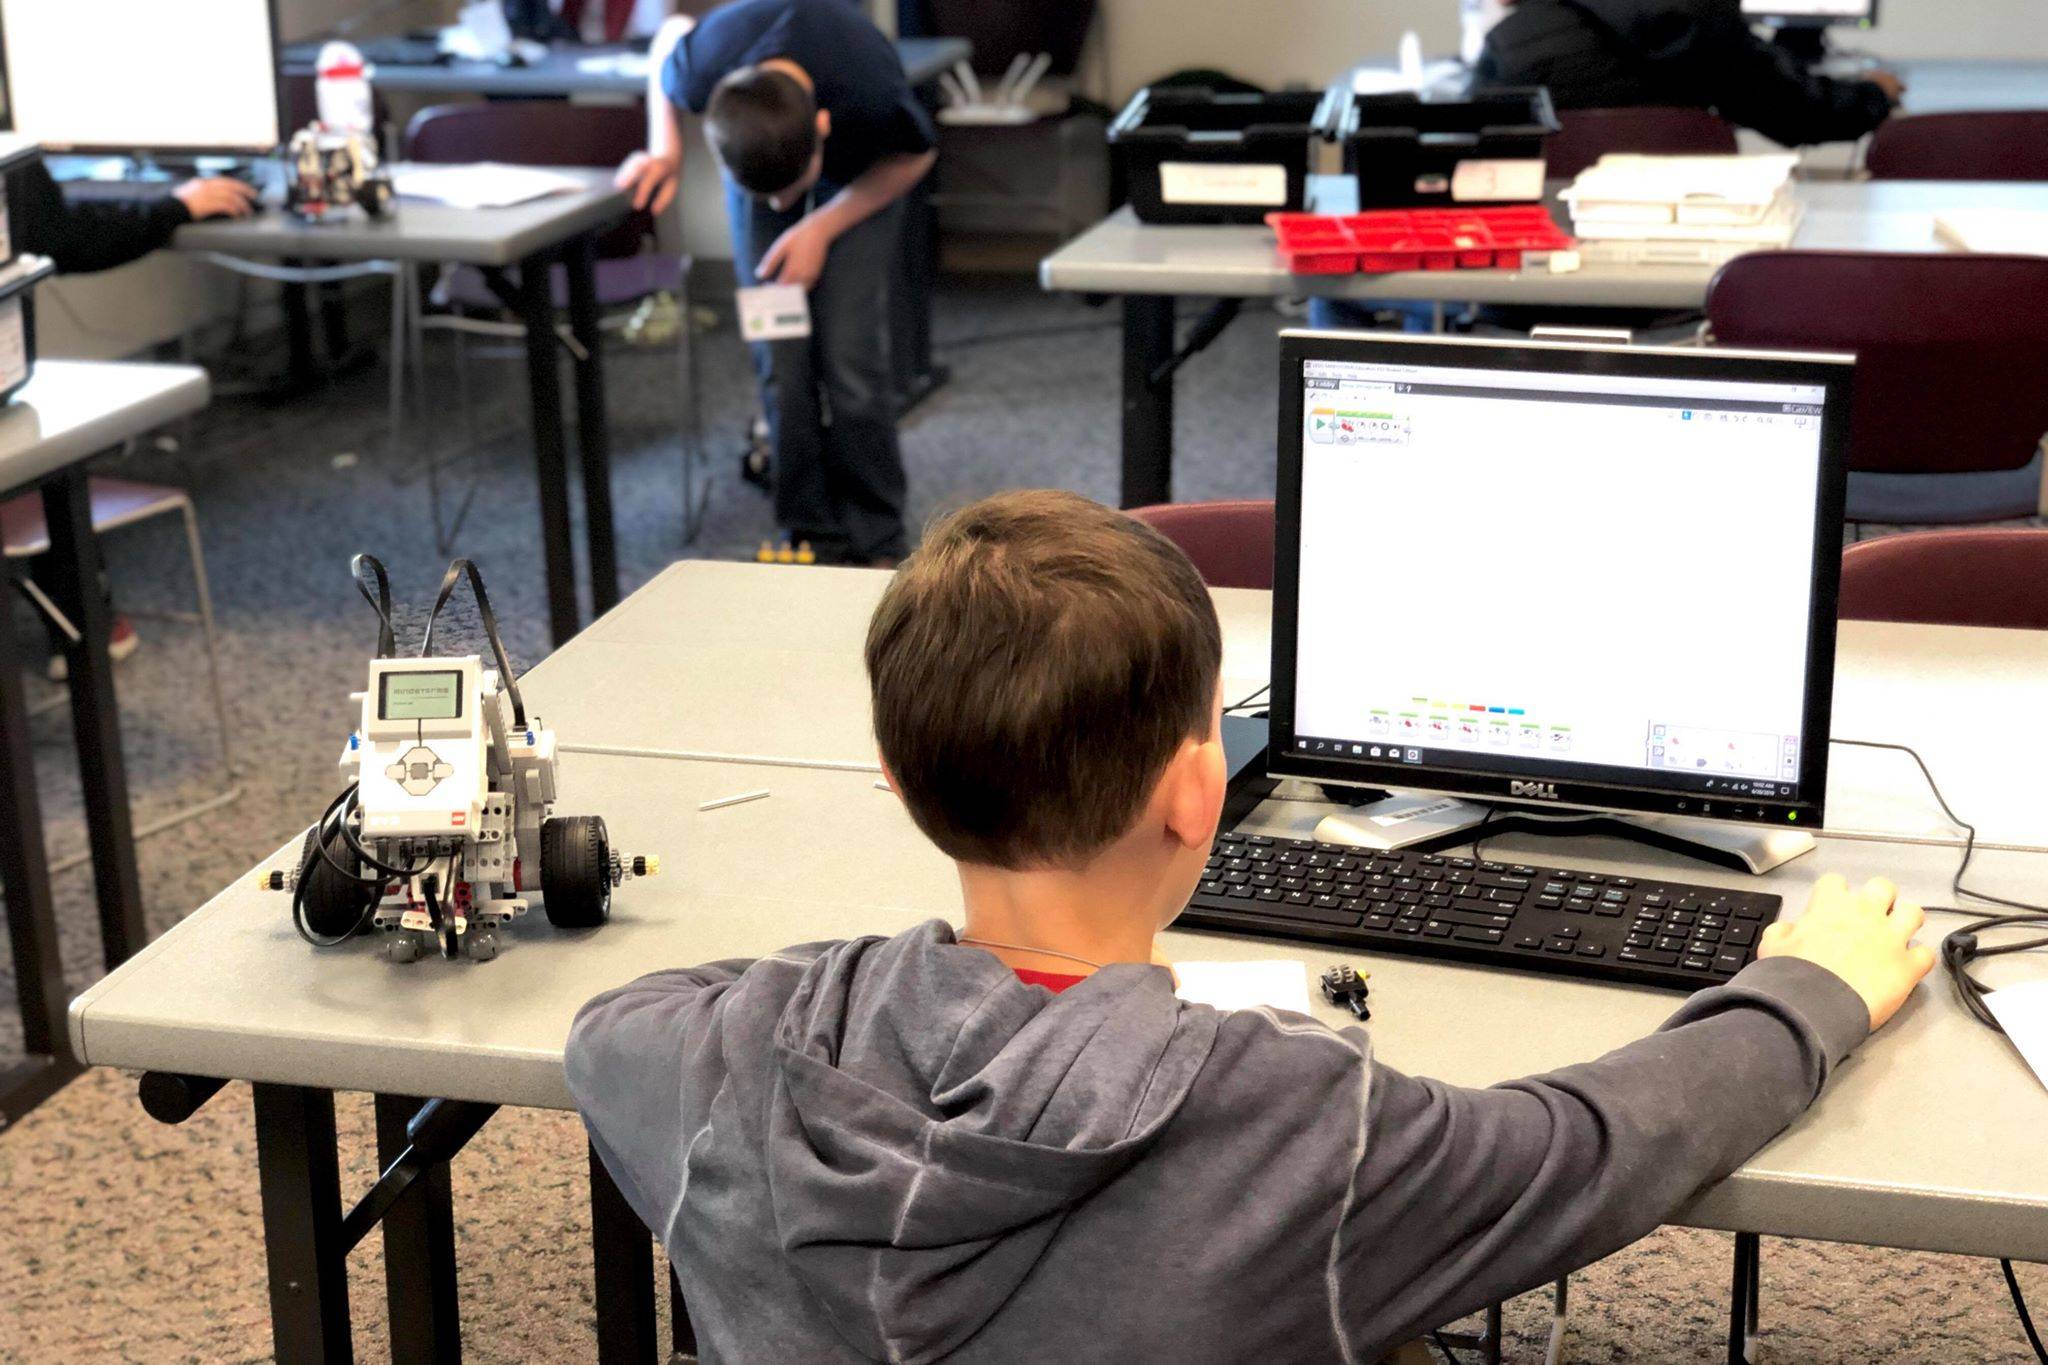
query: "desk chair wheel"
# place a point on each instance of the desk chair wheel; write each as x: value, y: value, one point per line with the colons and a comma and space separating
x: 576, y: 871
x: 334, y: 904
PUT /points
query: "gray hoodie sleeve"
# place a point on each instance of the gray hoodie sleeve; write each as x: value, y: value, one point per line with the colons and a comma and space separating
x: 1465, y: 1197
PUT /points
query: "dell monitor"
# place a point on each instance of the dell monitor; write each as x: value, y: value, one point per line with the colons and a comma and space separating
x: 175, y: 77
x: 1541, y: 577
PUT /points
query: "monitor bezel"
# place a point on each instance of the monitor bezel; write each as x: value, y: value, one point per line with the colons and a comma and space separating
x: 176, y: 151
x: 1774, y: 19
x: 1833, y: 373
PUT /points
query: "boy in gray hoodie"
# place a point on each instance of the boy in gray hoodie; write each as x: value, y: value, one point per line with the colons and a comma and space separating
x: 1011, y: 1142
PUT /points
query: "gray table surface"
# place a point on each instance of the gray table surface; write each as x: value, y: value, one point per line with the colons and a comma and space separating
x: 1928, y: 1138
x: 1938, y: 86
x: 1121, y: 255
x: 71, y: 410
x: 416, y: 230
x: 562, y: 72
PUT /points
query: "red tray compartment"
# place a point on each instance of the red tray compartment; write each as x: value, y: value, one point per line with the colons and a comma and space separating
x: 1415, y: 239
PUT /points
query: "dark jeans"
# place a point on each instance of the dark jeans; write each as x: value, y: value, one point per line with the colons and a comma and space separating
x: 830, y: 397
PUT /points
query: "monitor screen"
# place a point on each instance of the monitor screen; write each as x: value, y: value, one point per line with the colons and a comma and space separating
x: 416, y: 695
x: 142, y: 75
x: 1597, y: 576
x: 1812, y: 11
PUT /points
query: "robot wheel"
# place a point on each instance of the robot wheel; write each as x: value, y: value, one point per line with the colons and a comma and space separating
x: 575, y: 871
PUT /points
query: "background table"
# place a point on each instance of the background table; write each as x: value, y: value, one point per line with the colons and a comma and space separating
x: 69, y: 412
x: 1928, y: 1138
x: 532, y: 238
x: 1151, y: 266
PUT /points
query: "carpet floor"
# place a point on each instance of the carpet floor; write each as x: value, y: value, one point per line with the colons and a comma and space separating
x: 122, y: 1239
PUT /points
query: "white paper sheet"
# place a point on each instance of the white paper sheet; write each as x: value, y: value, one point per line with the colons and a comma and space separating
x: 2019, y: 232
x: 485, y: 185
x: 1244, y: 985
x: 2022, y: 1011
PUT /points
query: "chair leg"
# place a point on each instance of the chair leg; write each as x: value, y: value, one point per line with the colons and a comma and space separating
x: 204, y: 590
x: 1560, y: 1304
x: 401, y: 338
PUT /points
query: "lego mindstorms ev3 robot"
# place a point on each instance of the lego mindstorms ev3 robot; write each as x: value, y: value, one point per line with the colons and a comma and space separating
x: 448, y: 821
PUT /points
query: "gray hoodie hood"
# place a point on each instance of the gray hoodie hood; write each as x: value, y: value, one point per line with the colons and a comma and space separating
x: 934, y: 1119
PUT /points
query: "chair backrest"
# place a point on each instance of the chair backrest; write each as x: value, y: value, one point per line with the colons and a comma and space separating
x: 537, y: 133
x: 1586, y: 135
x: 1976, y: 577
x: 1951, y: 367
x: 1231, y: 543
x: 2003, y: 144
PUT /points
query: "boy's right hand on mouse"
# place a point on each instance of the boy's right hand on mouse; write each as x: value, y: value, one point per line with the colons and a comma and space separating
x: 217, y: 197
x: 1862, y: 936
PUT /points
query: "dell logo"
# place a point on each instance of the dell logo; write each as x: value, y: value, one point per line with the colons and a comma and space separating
x: 1542, y: 791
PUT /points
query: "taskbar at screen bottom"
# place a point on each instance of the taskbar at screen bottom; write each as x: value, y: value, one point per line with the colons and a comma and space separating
x: 1729, y: 787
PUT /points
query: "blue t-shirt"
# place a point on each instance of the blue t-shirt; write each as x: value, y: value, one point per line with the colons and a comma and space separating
x: 857, y: 76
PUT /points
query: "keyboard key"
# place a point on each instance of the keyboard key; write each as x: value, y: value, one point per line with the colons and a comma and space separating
x: 1752, y: 910
x: 1238, y: 864
x: 1695, y: 964
x: 1344, y: 864
x: 1293, y: 883
x: 1551, y: 902
x: 1300, y: 898
x: 1473, y: 917
x: 1530, y: 943
x: 1728, y: 962
x: 1379, y: 921
x: 1264, y: 879
x: 1520, y: 871
x: 1505, y: 896
x: 1407, y: 898
x: 1459, y: 862
x: 1212, y: 887
x: 1680, y: 917
x: 1241, y: 892
x: 1493, y: 867
x: 1656, y: 901
x: 1569, y: 931
x: 1614, y: 895
x: 1509, y: 883
x: 1624, y: 882
x: 1646, y: 957
x: 1739, y: 935
x: 1233, y: 837
x: 1610, y: 911
x: 1327, y: 902
x: 1688, y: 902
x: 1670, y: 943
x: 1641, y: 941
x: 1558, y: 945
x: 1468, y: 934
x: 1580, y: 907
x: 1591, y: 950
x: 1237, y: 875
x: 1407, y: 926
x: 1431, y: 860
x: 1311, y: 915
x: 1592, y: 879
x: 1436, y: 928
x: 1257, y: 841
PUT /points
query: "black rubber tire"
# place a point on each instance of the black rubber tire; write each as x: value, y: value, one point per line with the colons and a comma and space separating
x: 575, y: 871
x: 334, y: 904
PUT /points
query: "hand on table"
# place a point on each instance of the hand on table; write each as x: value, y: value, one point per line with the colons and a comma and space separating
x: 652, y: 179
x: 1862, y: 936
x: 220, y: 197
x: 1889, y: 82
x: 798, y: 256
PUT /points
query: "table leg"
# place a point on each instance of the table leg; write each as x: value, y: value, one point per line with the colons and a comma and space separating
x: 302, y: 1236
x: 76, y: 586
x: 682, y: 1333
x: 593, y: 432
x: 1148, y: 402
x: 419, y: 1250
x: 622, y: 1255
x: 31, y: 921
x: 1742, y: 1296
x: 544, y: 384
x: 303, y: 372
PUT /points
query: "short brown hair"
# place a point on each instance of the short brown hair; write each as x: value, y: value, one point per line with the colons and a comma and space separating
x: 1034, y: 666
x: 763, y: 125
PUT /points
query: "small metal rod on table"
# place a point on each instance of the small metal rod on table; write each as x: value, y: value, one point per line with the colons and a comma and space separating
x: 76, y: 585
x: 544, y: 383
x: 622, y: 1264
x: 593, y: 431
x: 302, y: 1234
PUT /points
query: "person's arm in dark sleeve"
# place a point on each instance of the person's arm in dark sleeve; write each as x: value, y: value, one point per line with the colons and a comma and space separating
x: 83, y: 235
x: 1756, y: 84
x: 1464, y: 1198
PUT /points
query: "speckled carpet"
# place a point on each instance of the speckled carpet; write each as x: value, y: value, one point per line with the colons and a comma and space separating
x: 124, y: 1240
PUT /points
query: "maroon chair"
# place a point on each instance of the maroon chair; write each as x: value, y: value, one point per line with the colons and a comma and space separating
x: 1988, y: 145
x: 1586, y: 135
x: 1978, y: 576
x: 1951, y: 368
x: 1231, y: 543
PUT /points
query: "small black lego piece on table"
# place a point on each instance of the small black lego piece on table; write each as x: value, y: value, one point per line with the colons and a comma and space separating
x: 1345, y: 985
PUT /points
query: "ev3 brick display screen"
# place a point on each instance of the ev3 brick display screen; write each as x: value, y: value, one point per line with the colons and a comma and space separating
x: 433, y: 695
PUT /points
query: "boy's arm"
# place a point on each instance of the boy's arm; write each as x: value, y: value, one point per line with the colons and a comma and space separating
x: 1758, y: 85
x: 653, y: 175
x: 84, y: 235
x: 798, y: 255
x: 1462, y: 1198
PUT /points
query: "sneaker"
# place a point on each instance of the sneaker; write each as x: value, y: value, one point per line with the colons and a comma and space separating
x: 122, y: 641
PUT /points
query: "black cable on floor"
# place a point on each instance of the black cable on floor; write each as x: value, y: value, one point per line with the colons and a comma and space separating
x: 2019, y: 1305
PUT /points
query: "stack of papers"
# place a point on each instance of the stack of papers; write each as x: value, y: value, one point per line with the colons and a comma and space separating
x: 485, y: 185
x: 1683, y: 208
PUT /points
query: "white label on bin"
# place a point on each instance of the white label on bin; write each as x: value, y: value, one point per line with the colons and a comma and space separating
x: 1207, y: 182
x: 1484, y: 180
x: 13, y: 345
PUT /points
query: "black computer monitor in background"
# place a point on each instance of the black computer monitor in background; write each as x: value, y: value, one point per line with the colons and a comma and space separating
x: 1801, y: 25
x: 1545, y: 577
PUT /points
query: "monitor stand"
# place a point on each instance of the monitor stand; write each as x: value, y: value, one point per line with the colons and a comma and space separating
x: 1427, y: 824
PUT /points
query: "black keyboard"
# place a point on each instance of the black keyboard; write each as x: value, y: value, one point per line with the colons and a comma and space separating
x: 1506, y: 914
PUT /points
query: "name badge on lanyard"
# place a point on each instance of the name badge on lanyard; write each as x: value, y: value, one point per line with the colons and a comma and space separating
x: 774, y: 312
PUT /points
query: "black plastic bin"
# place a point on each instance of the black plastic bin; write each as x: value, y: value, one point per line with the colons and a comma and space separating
x: 1192, y: 155
x: 1408, y: 152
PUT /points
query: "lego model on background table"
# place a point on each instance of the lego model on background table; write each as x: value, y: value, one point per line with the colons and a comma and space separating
x: 1152, y: 266
x: 1925, y: 1140
x: 69, y: 412
x: 529, y: 238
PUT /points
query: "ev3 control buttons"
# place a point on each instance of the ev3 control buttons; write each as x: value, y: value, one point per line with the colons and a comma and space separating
x: 419, y: 770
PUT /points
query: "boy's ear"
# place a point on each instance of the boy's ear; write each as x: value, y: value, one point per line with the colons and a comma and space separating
x: 1194, y: 797
x: 824, y: 124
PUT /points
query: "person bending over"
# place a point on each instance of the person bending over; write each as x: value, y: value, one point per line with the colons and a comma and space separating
x: 1010, y: 1141
x: 1614, y: 54
x: 807, y: 110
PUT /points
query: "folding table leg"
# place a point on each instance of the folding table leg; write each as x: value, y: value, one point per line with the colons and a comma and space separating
x: 302, y: 1237
x: 1742, y: 1296
x: 682, y: 1333
x: 544, y: 384
x: 622, y: 1254
x: 76, y: 585
x: 593, y: 431
x: 419, y: 1250
x: 1148, y: 402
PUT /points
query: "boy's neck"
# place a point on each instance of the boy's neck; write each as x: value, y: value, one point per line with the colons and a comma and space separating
x: 1061, y: 921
